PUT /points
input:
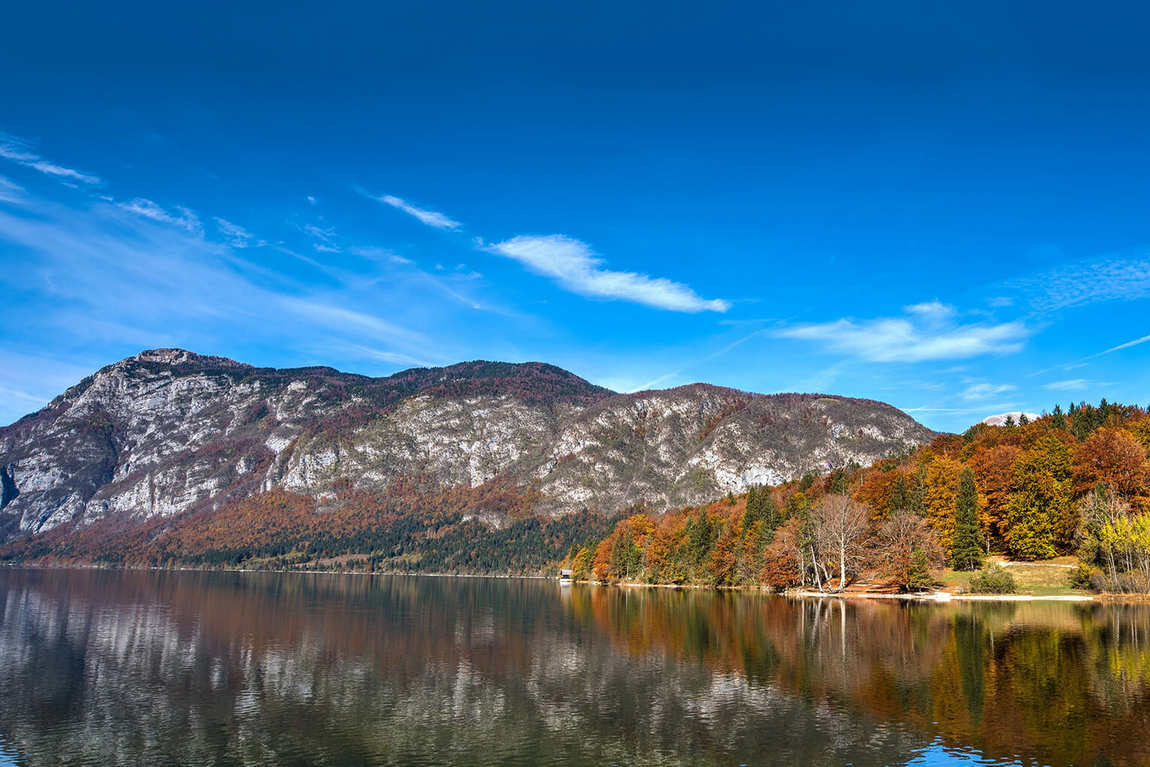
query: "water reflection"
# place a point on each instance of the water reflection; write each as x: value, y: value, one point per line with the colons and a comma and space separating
x: 198, y: 668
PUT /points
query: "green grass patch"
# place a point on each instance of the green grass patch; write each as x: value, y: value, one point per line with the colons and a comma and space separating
x: 1047, y: 578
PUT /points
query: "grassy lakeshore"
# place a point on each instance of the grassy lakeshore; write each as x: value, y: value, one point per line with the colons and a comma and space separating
x: 1035, y: 581
x: 1047, y: 578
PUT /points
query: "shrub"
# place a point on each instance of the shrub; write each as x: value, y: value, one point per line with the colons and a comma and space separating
x: 993, y: 579
x: 1086, y: 578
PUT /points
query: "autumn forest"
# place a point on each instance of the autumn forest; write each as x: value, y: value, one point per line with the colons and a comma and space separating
x: 1071, y: 482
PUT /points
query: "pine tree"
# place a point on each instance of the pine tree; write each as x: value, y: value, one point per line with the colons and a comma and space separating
x: 900, y: 496
x: 919, y: 577
x: 771, y: 515
x: 1057, y: 419
x: 1009, y: 422
x: 966, y: 551
x: 839, y: 482
x: 1023, y: 419
x: 754, y: 512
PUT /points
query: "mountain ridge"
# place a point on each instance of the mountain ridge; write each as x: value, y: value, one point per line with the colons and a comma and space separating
x: 168, y: 432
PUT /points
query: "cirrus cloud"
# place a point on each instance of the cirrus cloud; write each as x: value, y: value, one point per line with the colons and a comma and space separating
x: 577, y: 268
x: 919, y: 336
x: 430, y: 217
x: 982, y: 390
x: 182, y: 218
x: 17, y: 151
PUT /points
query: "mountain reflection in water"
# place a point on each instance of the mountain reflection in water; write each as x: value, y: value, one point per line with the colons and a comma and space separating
x: 104, y: 667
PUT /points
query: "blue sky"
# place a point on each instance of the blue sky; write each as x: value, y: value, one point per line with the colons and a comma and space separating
x: 942, y: 206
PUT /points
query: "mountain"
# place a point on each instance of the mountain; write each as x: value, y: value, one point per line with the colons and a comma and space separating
x: 1014, y: 416
x: 170, y: 442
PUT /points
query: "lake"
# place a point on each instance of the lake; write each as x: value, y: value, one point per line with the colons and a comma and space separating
x: 152, y: 668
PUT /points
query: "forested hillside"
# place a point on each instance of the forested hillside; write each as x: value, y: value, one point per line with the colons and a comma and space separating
x: 170, y: 457
x: 1073, y: 482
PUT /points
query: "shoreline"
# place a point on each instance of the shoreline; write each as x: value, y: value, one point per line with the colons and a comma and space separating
x: 944, y: 597
x: 937, y: 597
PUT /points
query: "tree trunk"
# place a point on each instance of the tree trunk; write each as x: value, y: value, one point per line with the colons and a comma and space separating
x: 842, y: 566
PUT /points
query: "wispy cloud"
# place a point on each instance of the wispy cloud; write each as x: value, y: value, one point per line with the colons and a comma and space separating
x: 340, y: 317
x: 1082, y: 361
x: 982, y: 391
x: 323, y: 238
x: 1073, y: 384
x: 577, y: 268
x: 30, y: 381
x: 674, y: 374
x: 386, y: 355
x: 430, y: 217
x: 182, y: 217
x: 235, y: 235
x: 935, y: 311
x: 113, y: 277
x: 1120, y: 347
x: 10, y: 191
x: 979, y: 409
x: 1086, y: 282
x: 928, y: 332
x: 18, y: 151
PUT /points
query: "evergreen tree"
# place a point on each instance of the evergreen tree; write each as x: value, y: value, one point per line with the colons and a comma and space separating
x: 754, y: 512
x: 1057, y: 419
x: 899, y: 496
x: 966, y: 550
x: 772, y: 516
x: 1023, y: 419
x: 919, y: 577
x: 1009, y: 422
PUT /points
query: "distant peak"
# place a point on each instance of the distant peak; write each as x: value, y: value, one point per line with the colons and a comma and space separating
x: 173, y: 356
x: 1014, y: 415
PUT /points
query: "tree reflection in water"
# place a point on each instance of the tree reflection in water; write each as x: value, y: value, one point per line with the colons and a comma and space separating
x: 100, y: 667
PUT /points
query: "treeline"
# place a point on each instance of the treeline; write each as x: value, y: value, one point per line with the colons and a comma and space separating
x: 1070, y: 482
x: 414, y: 527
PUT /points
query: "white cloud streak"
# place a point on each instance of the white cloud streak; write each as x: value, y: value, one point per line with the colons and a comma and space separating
x: 1074, y: 384
x: 1082, y: 283
x: 235, y: 235
x: 982, y: 391
x: 17, y: 151
x: 111, y: 277
x: 182, y: 218
x: 10, y: 191
x: 337, y: 317
x: 922, y: 336
x: 430, y: 217
x: 577, y: 268
x: 1120, y: 347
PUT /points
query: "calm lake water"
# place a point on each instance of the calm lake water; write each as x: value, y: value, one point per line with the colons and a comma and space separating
x: 146, y: 668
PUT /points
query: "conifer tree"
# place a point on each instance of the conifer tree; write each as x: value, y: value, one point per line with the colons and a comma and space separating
x: 1023, y: 419
x: 966, y: 551
x: 839, y: 482
x: 900, y: 496
x: 754, y: 509
x: 919, y: 577
x: 769, y: 509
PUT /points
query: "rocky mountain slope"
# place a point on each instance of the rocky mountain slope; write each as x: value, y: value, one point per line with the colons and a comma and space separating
x: 168, y: 433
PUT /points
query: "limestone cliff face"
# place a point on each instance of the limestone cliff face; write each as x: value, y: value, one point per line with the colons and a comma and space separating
x: 168, y: 431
